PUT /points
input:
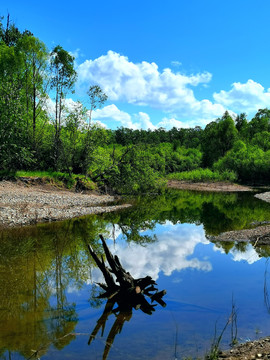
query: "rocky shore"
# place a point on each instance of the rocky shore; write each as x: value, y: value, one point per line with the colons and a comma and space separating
x: 26, y: 205
x: 252, y: 350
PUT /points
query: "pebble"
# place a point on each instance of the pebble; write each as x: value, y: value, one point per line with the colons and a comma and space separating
x: 25, y: 206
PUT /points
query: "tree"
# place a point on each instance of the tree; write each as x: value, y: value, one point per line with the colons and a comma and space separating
x: 63, y: 79
x: 241, y: 125
x: 97, y: 99
x: 35, y: 59
x: 218, y: 137
x: 260, y: 122
x: 72, y: 136
x: 14, y: 147
x: 10, y: 34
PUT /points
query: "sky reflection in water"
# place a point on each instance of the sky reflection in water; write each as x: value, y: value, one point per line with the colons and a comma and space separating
x: 200, y: 277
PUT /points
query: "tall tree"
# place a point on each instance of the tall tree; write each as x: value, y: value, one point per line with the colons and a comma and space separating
x: 97, y: 98
x: 63, y: 79
x: 218, y: 137
x: 35, y: 83
x: 14, y: 149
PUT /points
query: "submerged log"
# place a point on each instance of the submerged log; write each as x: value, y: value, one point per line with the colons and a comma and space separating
x: 126, y: 291
x: 123, y: 291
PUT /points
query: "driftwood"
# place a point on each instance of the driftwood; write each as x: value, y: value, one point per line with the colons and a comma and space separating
x: 124, y: 292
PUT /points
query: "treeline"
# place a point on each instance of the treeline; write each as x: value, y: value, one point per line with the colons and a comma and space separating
x: 39, y: 131
x: 226, y: 144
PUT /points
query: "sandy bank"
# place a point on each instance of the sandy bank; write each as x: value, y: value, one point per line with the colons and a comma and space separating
x: 26, y: 205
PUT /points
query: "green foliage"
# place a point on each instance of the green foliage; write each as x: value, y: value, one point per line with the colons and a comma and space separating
x: 124, y: 160
x: 128, y: 171
x: 250, y: 163
x: 218, y: 137
x: 204, y: 175
x: 51, y: 177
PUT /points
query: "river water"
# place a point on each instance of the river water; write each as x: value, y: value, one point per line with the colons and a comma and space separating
x: 48, y: 297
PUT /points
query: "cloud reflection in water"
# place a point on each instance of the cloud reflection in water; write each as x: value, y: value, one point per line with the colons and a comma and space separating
x: 172, y: 252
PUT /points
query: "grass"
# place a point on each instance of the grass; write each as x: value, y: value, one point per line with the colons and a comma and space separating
x: 203, y: 175
x: 51, y: 177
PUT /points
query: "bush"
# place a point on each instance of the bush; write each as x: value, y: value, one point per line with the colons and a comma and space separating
x: 203, y: 175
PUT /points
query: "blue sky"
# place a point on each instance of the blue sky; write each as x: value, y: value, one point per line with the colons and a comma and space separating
x: 162, y: 63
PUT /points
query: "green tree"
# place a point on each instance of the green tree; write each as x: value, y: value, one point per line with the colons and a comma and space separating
x: 260, y: 122
x: 249, y: 162
x: 10, y: 34
x: 97, y: 98
x: 72, y: 137
x: 241, y: 125
x: 63, y: 79
x: 14, y: 148
x: 218, y: 137
x: 35, y: 85
x: 262, y: 139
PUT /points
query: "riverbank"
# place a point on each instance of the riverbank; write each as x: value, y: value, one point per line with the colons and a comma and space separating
x: 259, y: 234
x: 251, y: 350
x: 21, y: 204
x: 207, y: 186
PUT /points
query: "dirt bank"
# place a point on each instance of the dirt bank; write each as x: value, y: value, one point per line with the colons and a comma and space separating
x: 21, y: 204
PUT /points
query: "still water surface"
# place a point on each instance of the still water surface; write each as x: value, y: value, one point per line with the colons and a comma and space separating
x: 48, y: 304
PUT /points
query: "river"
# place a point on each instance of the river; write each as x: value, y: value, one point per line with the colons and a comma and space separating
x: 48, y: 297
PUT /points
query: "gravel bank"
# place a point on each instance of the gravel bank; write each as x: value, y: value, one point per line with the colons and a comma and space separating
x: 23, y: 205
x: 260, y: 234
x: 207, y: 186
x: 252, y: 350
x: 264, y: 196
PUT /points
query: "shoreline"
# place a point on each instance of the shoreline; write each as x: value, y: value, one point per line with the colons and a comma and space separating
x: 208, y: 186
x: 22, y: 205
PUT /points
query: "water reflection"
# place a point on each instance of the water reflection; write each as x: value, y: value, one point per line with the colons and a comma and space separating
x: 34, y: 308
x: 125, y: 291
x: 44, y: 269
x: 172, y: 252
x: 121, y: 318
x: 241, y: 252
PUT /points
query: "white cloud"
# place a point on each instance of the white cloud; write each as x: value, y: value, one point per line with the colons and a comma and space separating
x: 144, y: 84
x: 176, y: 63
x: 112, y: 113
x: 144, y: 122
x: 246, y: 97
x: 168, y: 123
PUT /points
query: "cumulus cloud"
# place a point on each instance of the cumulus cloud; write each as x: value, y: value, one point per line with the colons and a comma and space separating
x: 145, y: 85
x: 109, y: 113
x: 246, y: 97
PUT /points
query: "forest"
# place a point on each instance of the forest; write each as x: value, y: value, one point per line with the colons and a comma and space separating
x: 40, y: 132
